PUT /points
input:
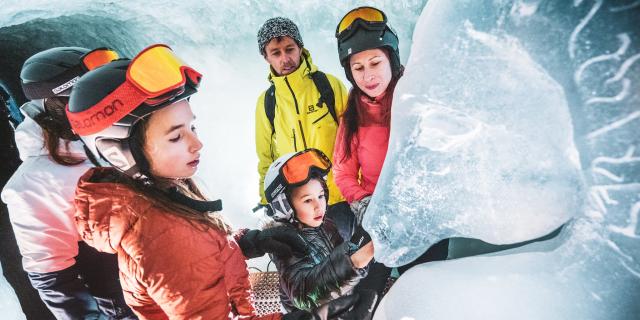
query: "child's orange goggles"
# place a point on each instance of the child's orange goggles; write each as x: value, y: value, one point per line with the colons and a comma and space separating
x: 367, y: 17
x: 154, y: 76
x: 298, y: 168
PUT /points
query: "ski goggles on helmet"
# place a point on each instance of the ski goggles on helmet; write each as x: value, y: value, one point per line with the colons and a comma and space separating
x: 297, y: 170
x: 155, y: 76
x: 62, y: 83
x: 98, y: 57
x: 365, y: 17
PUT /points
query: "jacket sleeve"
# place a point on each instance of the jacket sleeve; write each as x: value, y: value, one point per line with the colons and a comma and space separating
x: 264, y: 144
x: 308, y: 285
x: 238, y: 286
x: 346, y: 171
x: 182, y: 274
x: 236, y: 278
x: 31, y: 205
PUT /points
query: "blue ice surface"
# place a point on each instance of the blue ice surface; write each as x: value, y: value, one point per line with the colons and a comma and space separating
x: 514, y: 118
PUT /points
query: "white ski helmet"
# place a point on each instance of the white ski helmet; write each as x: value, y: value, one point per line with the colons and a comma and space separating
x: 291, y: 170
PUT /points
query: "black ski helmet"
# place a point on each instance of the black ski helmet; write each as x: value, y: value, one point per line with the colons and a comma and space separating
x: 359, y: 38
x: 52, y: 72
x: 113, y: 143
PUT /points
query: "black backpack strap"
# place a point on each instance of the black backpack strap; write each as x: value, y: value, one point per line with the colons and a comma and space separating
x: 326, y: 93
x: 270, y: 105
x: 326, y: 96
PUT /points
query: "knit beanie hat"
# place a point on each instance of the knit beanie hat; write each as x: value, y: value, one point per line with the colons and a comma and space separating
x: 278, y: 27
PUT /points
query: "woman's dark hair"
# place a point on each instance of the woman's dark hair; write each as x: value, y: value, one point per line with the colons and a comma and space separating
x: 56, y: 129
x: 350, y: 118
x: 157, y: 195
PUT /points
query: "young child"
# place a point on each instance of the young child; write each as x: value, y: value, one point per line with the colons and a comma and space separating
x: 297, y: 193
x: 176, y: 254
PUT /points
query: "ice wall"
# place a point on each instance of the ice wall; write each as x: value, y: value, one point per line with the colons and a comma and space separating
x: 476, y: 151
x: 486, y: 80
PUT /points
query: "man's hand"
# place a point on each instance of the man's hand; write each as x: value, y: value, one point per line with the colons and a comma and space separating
x: 357, y: 306
x: 281, y: 241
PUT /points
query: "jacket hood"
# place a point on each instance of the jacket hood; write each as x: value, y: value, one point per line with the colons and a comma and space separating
x: 30, y: 142
x: 105, y: 209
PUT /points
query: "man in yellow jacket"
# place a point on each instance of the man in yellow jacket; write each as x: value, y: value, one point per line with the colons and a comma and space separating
x: 300, y: 119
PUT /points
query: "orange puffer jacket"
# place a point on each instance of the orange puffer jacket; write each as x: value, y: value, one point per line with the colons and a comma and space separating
x: 169, y: 267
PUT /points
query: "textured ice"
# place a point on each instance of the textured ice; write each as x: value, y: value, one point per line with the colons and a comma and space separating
x: 482, y: 146
x: 475, y: 151
x: 513, y: 117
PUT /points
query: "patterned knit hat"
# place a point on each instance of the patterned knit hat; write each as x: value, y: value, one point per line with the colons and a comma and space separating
x: 278, y: 27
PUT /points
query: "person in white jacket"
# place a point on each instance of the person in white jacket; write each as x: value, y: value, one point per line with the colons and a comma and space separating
x: 74, y: 280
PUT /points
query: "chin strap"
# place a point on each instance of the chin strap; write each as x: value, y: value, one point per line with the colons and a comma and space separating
x: 199, y: 205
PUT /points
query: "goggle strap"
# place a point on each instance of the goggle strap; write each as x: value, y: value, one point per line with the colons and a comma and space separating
x: 276, y: 187
x: 109, y: 110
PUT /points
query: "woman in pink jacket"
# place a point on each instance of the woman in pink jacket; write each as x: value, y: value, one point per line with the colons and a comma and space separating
x: 368, y: 51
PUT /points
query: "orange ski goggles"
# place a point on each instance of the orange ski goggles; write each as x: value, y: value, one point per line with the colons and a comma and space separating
x: 98, y: 57
x: 156, y: 71
x: 155, y: 76
x: 366, y: 17
x: 298, y: 168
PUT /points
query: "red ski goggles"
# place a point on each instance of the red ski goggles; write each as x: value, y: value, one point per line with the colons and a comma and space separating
x: 366, y: 17
x: 98, y: 57
x: 154, y: 76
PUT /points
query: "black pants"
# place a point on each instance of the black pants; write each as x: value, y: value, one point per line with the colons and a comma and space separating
x: 90, y: 289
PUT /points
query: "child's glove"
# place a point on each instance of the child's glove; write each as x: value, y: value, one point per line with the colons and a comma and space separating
x: 357, y: 306
x: 281, y: 241
x: 359, y: 207
x: 360, y: 237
